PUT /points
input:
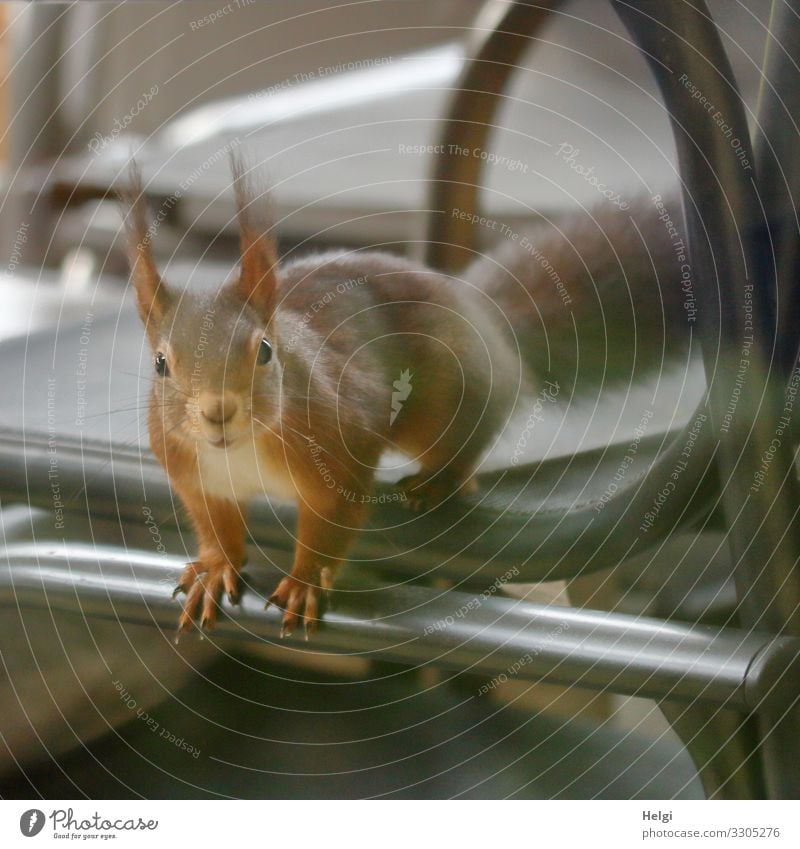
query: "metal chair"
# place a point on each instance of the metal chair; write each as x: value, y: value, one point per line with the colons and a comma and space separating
x: 730, y: 234
x: 737, y: 685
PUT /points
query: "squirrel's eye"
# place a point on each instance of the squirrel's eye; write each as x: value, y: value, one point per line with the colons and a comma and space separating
x: 160, y: 363
x: 264, y: 352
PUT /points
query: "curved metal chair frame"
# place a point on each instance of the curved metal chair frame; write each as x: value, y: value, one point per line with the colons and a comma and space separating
x: 730, y: 236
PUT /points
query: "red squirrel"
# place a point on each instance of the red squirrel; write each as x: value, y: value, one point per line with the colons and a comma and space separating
x: 290, y: 375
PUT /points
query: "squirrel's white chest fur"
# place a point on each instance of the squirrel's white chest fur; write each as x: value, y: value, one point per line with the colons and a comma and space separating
x: 240, y: 473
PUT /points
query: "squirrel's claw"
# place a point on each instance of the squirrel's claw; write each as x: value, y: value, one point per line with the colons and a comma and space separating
x: 300, y: 602
x: 204, y: 584
x: 183, y: 627
x: 326, y: 584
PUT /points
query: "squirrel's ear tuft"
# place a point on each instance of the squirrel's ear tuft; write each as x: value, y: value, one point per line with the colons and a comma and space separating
x: 151, y: 294
x: 258, y: 278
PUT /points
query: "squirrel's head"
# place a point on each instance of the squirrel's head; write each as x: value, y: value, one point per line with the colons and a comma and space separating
x: 216, y: 362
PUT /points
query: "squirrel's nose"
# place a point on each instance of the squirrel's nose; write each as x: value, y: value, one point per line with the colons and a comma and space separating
x: 218, y: 409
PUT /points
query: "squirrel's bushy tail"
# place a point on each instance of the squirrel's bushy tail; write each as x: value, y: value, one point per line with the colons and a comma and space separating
x: 600, y: 298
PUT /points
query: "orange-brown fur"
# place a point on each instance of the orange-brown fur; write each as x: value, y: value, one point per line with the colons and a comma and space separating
x: 344, y: 326
x: 325, y: 397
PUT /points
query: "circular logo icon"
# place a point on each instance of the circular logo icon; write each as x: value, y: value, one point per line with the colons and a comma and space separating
x: 31, y: 822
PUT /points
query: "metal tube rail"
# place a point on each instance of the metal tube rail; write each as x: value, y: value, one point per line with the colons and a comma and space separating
x: 729, y: 240
x: 776, y: 135
x: 496, y: 637
x: 499, y: 38
x: 778, y: 166
x: 729, y: 233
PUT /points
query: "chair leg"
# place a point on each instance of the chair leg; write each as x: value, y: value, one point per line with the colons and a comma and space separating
x: 780, y: 753
x: 724, y: 747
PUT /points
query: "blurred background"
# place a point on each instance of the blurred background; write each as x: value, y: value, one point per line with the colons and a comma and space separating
x: 339, y: 105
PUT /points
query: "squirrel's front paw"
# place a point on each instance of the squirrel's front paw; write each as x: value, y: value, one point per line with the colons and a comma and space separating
x: 299, y: 598
x: 204, y: 582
